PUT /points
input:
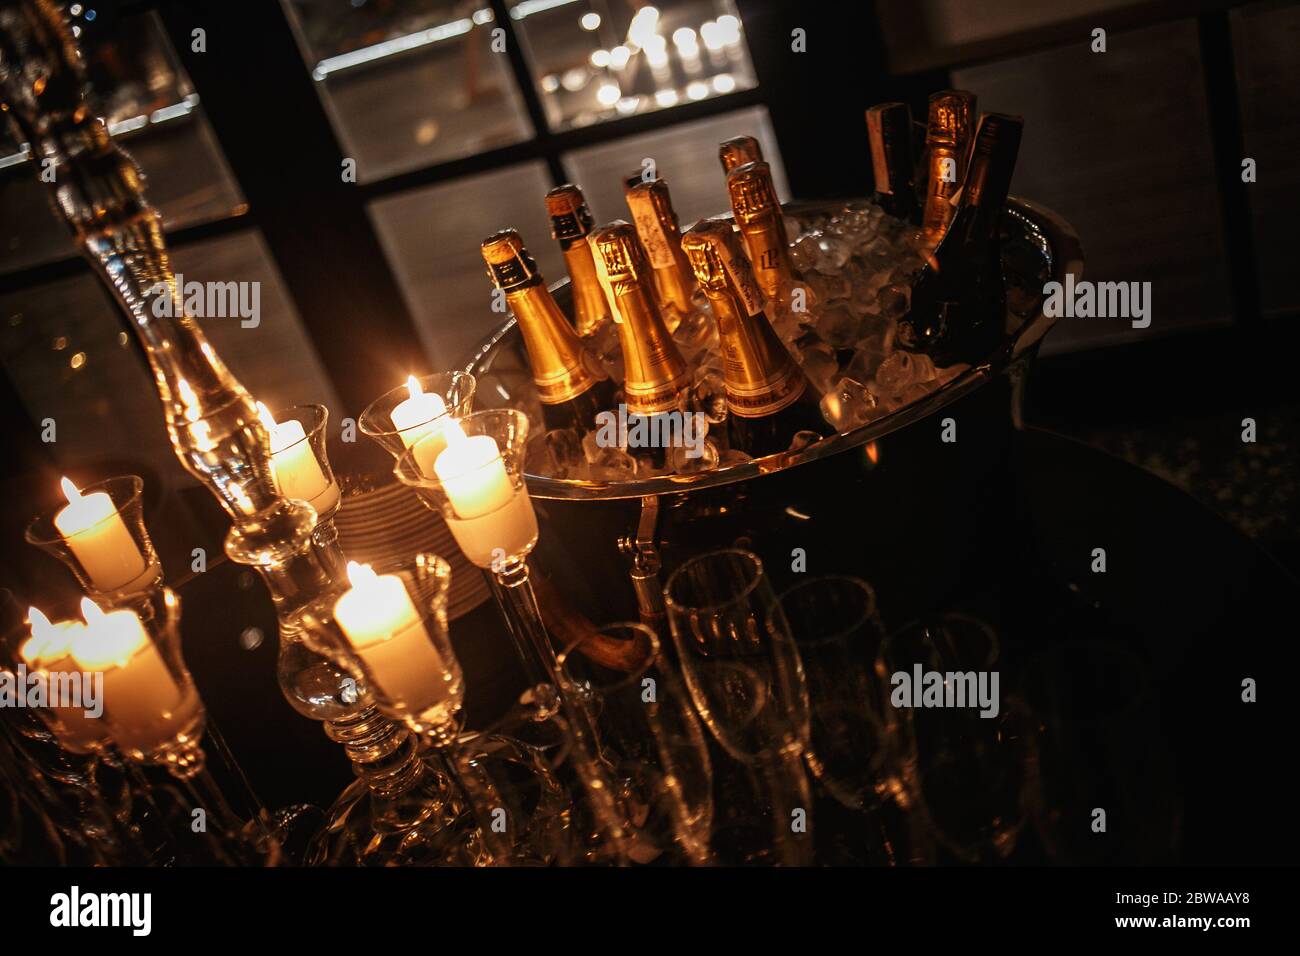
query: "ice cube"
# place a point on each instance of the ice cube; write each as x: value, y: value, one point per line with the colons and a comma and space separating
x: 705, y: 458
x: 901, y: 370
x: 804, y: 252
x: 828, y: 288
x: 862, y: 367
x: 709, y: 395
x: 556, y: 454
x: 839, y: 325
x: 832, y: 253
x: 849, y: 405
x: 895, y: 300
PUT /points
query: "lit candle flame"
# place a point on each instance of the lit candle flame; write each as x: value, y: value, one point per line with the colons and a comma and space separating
x: 40, y: 624
x: 91, y: 612
x: 69, y: 490
x: 413, y: 386
x: 360, y: 574
x: 47, y: 641
x: 267, y: 419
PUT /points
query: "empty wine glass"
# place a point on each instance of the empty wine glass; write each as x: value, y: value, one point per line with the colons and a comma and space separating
x: 649, y: 733
x: 722, y: 612
x: 837, y: 631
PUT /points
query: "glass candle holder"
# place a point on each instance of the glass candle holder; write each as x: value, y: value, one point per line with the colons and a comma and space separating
x: 300, y: 462
x: 405, y: 414
x: 100, y: 535
x: 389, y: 630
x: 151, y: 707
x: 38, y: 650
x: 476, y: 482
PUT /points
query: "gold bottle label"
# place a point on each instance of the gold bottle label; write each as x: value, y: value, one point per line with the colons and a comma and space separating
x: 655, y: 373
x: 761, y: 378
x: 656, y: 223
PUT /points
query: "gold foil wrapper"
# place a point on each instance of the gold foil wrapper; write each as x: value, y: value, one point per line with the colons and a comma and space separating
x: 738, y: 151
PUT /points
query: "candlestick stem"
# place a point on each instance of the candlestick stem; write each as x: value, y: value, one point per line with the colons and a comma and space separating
x: 518, y: 604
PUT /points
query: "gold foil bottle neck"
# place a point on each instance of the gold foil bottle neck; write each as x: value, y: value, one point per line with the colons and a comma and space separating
x: 619, y: 256
x: 761, y: 379
x: 655, y: 373
x: 993, y: 159
x: 509, y: 265
x: 562, y: 369
x: 951, y: 119
x: 719, y: 265
x: 571, y: 220
x: 753, y: 196
x: 656, y: 223
x: 738, y: 151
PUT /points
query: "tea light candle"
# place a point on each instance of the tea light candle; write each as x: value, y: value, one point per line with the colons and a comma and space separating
x: 384, y: 628
x: 297, y: 470
x: 144, y: 705
x: 491, y: 518
x: 48, y: 650
x: 414, y: 417
x: 420, y: 421
x: 99, y: 539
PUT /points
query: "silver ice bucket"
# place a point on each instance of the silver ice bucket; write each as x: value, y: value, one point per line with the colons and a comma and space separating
x: 891, y: 501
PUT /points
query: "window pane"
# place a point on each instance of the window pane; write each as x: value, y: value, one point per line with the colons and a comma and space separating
x: 432, y: 238
x: 594, y: 61
x: 63, y: 348
x: 686, y: 156
x: 1120, y: 146
x: 410, y: 84
x: 150, y: 108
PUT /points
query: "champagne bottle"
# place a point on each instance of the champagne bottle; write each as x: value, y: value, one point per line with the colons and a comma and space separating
x: 889, y: 126
x: 571, y: 223
x: 571, y: 384
x: 762, y: 225
x: 657, y: 228
x: 738, y: 151
x: 958, y: 303
x: 769, y: 398
x: 655, y: 375
x: 947, y: 143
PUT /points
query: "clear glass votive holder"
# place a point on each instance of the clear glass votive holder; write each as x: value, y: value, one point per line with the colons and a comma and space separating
x: 389, y: 631
x: 152, y: 708
x: 481, y: 494
x: 113, y: 557
x: 301, y: 465
x: 454, y: 389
